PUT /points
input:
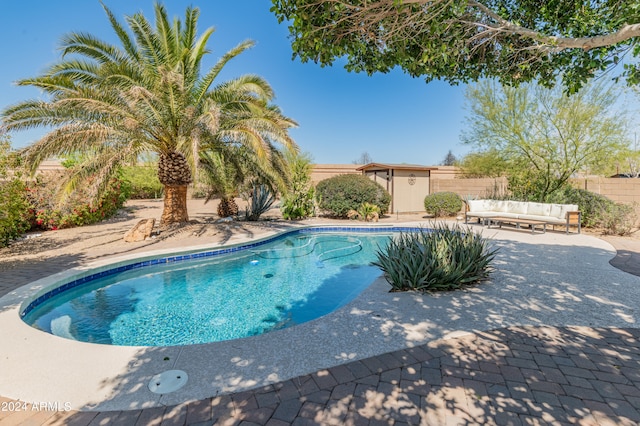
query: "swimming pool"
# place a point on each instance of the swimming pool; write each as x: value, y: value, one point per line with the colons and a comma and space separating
x: 216, y: 295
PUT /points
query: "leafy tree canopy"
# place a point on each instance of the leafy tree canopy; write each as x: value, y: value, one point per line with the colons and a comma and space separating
x: 462, y: 41
x: 545, y: 136
x: 481, y: 164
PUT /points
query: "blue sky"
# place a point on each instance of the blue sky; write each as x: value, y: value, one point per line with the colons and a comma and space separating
x: 393, y: 117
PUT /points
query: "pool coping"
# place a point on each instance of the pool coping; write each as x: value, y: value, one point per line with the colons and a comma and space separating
x: 101, y: 377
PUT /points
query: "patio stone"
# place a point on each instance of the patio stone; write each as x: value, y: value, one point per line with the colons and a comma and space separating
x: 516, y: 375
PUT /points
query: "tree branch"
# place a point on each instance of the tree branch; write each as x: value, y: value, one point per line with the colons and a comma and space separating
x: 555, y: 43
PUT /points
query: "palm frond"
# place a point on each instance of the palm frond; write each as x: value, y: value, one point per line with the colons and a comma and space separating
x: 148, y: 93
x: 205, y: 83
x: 147, y: 41
x: 91, y: 47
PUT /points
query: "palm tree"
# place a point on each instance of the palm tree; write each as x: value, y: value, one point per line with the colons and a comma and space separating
x: 229, y: 170
x: 222, y: 177
x: 148, y: 95
x: 243, y: 152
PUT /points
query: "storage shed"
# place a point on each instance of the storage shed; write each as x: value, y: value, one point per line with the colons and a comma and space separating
x: 408, y: 184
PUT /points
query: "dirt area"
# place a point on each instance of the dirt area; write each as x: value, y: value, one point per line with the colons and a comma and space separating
x: 74, y: 246
x: 64, y: 248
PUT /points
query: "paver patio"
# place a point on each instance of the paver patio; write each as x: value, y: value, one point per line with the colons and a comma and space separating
x: 515, y: 375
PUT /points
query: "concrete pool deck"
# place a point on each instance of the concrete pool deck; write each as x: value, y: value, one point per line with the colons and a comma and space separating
x: 551, y: 337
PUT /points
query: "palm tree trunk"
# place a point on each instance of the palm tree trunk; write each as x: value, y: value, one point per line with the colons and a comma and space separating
x: 175, y: 205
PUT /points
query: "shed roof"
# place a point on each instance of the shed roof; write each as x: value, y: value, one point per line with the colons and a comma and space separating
x: 386, y: 166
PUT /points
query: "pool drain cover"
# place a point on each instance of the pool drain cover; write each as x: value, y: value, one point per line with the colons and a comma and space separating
x: 168, y: 381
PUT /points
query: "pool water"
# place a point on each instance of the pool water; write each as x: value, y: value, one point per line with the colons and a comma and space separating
x: 276, y: 285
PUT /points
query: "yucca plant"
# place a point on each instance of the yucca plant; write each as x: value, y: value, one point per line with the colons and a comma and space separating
x: 440, y: 259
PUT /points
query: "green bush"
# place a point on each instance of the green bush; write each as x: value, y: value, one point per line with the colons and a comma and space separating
x: 340, y: 194
x: 14, y: 206
x: 619, y: 219
x: 589, y: 203
x: 366, y: 212
x: 77, y: 209
x: 141, y: 182
x: 445, y: 258
x: 443, y: 204
x: 298, y: 205
x: 298, y: 201
x: 598, y: 211
x: 14, y: 211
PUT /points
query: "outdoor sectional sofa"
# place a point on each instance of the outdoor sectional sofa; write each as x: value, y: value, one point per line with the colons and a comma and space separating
x: 523, y: 212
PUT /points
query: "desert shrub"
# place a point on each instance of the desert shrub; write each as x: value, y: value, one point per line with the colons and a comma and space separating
x: 619, y: 219
x: 366, y: 212
x: 445, y: 258
x: 141, y: 182
x: 591, y: 205
x: 14, y: 210
x: 14, y: 205
x: 298, y: 205
x: 298, y: 201
x: 442, y: 204
x: 598, y: 211
x: 339, y: 194
x: 77, y: 209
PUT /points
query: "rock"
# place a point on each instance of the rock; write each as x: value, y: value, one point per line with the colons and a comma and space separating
x: 141, y: 231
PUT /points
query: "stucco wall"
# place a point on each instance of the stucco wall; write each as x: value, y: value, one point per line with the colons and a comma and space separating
x: 325, y: 171
x: 409, y: 190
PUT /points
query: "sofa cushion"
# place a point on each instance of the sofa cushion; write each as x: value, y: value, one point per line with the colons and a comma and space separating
x: 483, y: 214
x: 495, y: 205
x: 538, y: 209
x: 517, y: 207
x: 504, y: 206
x: 476, y: 205
x: 560, y: 210
x: 557, y: 211
x: 508, y: 215
x: 547, y: 219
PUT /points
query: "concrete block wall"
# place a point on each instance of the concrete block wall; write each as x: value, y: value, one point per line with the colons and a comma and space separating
x: 469, y: 188
x: 621, y: 190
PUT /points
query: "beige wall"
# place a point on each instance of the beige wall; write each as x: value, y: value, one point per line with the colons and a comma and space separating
x: 621, y: 190
x: 469, y: 188
x: 445, y: 172
x: 325, y: 171
x: 406, y: 197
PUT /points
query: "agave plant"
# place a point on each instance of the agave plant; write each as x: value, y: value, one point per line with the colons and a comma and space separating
x: 260, y: 199
x: 440, y: 259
